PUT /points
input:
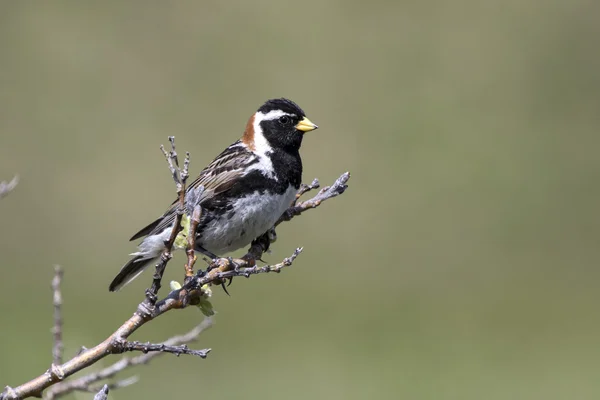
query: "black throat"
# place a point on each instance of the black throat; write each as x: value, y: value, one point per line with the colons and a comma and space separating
x: 287, y: 166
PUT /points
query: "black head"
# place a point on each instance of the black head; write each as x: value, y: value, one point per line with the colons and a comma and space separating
x: 282, y: 123
x: 282, y: 104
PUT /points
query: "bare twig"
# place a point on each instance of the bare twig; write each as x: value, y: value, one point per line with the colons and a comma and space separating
x: 328, y: 192
x: 191, y: 293
x: 191, y: 254
x: 194, y: 210
x: 7, y: 187
x: 307, y: 188
x: 185, y: 172
x: 162, y: 348
x: 180, y: 178
x: 247, y: 271
x: 57, y: 349
x: 102, y: 393
x: 172, y: 160
x: 85, y: 382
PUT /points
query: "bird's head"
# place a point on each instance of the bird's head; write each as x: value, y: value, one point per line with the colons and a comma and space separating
x: 279, y: 123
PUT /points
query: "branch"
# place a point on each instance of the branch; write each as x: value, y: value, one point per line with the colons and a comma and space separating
x: 180, y: 178
x: 150, y: 347
x: 191, y: 293
x: 328, y: 192
x: 247, y: 271
x: 57, y: 349
x: 304, y: 188
x: 85, y: 382
x: 7, y: 187
x: 194, y: 210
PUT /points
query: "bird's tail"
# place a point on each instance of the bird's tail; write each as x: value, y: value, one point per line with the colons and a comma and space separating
x: 131, y: 270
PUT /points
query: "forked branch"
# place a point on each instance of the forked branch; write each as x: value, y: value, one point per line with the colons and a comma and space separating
x: 86, y: 383
x: 180, y: 177
x: 191, y: 293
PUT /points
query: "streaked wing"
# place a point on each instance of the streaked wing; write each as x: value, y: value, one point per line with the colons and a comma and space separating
x: 219, y: 176
x: 224, y: 170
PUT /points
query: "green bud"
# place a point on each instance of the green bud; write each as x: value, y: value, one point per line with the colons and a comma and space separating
x: 181, y: 239
x: 205, y: 305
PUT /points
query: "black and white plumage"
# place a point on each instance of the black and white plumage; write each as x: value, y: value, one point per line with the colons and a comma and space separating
x: 246, y: 189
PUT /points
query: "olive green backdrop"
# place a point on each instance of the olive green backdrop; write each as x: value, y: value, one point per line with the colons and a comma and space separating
x: 462, y: 263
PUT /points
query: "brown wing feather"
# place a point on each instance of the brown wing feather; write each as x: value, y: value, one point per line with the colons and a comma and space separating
x: 219, y: 176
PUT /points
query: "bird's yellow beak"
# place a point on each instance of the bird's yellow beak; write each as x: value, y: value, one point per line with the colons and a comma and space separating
x: 305, y: 125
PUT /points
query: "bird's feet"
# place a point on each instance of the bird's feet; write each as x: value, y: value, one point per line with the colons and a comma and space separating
x: 223, y: 264
x: 264, y: 241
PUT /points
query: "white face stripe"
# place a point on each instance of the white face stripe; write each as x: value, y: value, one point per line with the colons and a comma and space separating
x: 271, y: 115
x: 261, y: 145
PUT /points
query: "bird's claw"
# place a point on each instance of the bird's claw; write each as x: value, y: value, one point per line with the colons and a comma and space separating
x: 225, y: 288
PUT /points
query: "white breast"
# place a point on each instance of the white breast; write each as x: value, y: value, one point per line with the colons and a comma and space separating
x: 252, y: 216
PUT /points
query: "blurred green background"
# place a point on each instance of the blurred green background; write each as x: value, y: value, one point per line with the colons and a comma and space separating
x: 462, y: 263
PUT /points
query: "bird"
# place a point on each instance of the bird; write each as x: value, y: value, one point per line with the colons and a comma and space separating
x: 246, y: 189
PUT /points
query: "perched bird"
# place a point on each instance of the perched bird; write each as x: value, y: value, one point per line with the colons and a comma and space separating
x: 246, y: 189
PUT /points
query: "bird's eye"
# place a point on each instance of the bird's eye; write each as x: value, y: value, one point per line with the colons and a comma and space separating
x: 284, y: 120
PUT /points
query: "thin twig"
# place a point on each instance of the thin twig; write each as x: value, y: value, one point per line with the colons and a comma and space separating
x: 220, y: 270
x: 193, y: 199
x: 102, y: 393
x: 185, y: 172
x: 180, y: 179
x: 190, y: 294
x: 191, y: 254
x: 57, y: 349
x: 246, y: 272
x: 328, y: 192
x: 161, y: 348
x: 307, y: 188
x: 7, y: 187
x: 84, y: 383
x: 172, y: 159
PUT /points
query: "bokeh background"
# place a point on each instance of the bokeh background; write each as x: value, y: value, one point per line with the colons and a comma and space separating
x: 462, y: 263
